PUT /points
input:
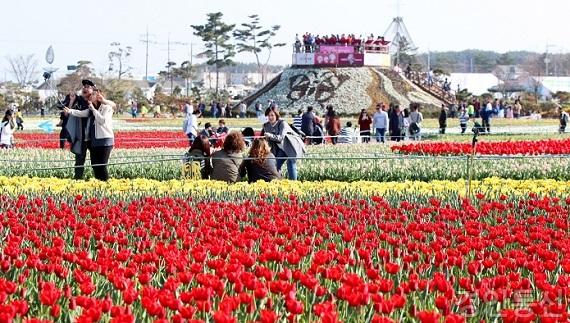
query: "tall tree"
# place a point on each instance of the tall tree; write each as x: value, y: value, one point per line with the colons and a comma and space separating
x: 216, y: 35
x: 119, y: 59
x: 185, y: 72
x: 23, y: 68
x: 253, y: 38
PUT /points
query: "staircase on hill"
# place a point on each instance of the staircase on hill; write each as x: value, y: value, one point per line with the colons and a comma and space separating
x: 435, y: 89
x: 250, y: 99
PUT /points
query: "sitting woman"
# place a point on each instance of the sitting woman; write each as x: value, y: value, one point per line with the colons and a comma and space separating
x: 198, y: 162
x: 261, y: 164
x: 226, y: 162
x: 248, y: 136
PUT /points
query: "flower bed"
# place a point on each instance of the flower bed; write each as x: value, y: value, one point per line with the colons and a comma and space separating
x: 206, y: 189
x: 329, y: 259
x: 123, y: 139
x: 524, y: 147
x: 367, y: 162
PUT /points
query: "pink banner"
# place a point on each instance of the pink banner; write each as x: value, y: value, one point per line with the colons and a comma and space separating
x: 350, y: 59
x: 326, y: 59
x: 336, y: 49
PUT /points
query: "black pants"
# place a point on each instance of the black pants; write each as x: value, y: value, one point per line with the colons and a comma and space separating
x: 365, y: 135
x: 80, y: 161
x: 396, y: 135
x: 463, y: 127
x: 63, y: 137
x: 486, y: 125
x: 442, y: 130
x: 100, y: 155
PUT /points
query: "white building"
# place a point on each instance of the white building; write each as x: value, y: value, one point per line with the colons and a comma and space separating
x: 476, y: 83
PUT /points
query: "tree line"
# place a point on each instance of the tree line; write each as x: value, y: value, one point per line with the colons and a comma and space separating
x: 484, y: 61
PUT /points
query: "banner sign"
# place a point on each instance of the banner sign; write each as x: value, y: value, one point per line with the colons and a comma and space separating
x: 336, y: 49
x: 350, y: 59
x: 303, y: 59
x: 326, y: 59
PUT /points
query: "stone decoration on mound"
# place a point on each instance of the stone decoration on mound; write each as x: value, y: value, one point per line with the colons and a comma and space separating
x: 344, y: 89
x: 348, y: 90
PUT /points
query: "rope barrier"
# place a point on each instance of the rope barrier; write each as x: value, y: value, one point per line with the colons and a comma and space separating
x: 183, y: 158
x: 181, y: 139
x: 321, y: 156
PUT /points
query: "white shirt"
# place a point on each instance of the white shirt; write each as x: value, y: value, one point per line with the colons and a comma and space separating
x: 347, y: 136
x: 380, y: 120
x: 192, y: 125
x: 189, y: 109
x: 7, y: 134
x: 243, y: 108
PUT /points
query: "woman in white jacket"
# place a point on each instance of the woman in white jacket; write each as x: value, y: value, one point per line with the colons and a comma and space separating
x: 98, y: 133
x: 191, y: 125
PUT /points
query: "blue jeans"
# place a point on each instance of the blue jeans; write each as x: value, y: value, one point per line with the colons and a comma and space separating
x: 258, y: 113
x: 191, y: 138
x: 380, y: 134
x: 291, y: 164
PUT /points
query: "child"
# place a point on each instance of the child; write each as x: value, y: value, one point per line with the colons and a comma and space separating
x: 347, y: 135
x: 463, y: 119
x: 563, y: 121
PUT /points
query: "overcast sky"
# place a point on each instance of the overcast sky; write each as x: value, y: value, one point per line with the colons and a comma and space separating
x: 83, y: 30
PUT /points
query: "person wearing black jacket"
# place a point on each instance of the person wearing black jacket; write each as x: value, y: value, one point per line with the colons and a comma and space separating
x: 63, y: 134
x: 394, y: 123
x: 78, y: 146
x: 442, y: 119
x: 308, y: 123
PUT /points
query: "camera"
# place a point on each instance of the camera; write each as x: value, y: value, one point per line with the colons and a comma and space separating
x: 477, y: 128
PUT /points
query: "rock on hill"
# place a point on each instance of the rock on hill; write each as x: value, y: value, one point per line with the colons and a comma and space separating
x: 348, y: 90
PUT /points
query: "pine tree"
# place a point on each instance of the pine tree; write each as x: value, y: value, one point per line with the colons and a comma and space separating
x: 216, y: 35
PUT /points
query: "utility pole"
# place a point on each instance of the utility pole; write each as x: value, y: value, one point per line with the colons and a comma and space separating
x: 146, y: 63
x: 546, y: 59
x: 147, y: 41
x: 188, y: 69
x: 169, y: 64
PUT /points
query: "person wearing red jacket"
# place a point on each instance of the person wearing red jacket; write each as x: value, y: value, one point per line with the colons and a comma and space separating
x: 364, y: 122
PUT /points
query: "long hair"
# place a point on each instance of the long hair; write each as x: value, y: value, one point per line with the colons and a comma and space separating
x: 7, y: 115
x: 95, y: 93
x: 202, y: 143
x: 259, y: 150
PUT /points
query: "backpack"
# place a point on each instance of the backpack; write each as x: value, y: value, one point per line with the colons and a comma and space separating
x: 414, y: 128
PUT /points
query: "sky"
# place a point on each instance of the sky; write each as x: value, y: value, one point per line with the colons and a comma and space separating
x: 84, y: 30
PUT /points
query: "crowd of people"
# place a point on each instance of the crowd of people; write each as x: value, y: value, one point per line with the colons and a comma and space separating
x: 216, y: 109
x: 278, y: 144
x: 310, y: 43
x: 387, y: 122
x: 217, y: 153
